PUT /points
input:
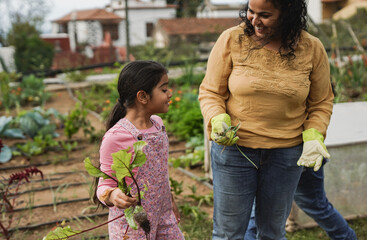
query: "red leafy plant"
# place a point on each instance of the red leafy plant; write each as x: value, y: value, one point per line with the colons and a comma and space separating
x: 122, y: 167
x: 11, y: 186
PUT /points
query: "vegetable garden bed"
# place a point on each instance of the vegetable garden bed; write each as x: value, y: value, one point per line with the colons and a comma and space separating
x: 61, y: 198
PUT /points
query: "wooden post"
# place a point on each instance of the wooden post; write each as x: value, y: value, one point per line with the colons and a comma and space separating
x: 207, y: 165
x: 127, y: 31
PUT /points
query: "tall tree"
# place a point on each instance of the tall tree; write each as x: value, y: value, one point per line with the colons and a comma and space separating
x: 31, y: 11
x: 26, y: 19
x: 186, y: 8
x: 31, y: 52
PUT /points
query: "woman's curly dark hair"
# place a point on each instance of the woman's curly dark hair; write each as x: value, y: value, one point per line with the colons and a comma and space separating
x: 293, y: 19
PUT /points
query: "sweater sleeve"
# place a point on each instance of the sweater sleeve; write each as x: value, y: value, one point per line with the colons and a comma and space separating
x: 213, y: 91
x: 320, y: 98
x: 112, y: 142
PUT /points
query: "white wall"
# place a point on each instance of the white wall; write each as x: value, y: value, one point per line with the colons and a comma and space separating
x: 138, y: 18
x: 87, y: 32
x: 218, y: 14
x: 95, y: 33
x: 7, y: 53
x: 314, y: 9
x: 134, y: 3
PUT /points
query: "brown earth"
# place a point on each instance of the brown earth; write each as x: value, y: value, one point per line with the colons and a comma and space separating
x: 65, y: 180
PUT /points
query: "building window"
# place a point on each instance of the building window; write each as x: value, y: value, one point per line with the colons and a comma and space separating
x: 150, y: 29
x: 63, y: 28
x: 112, y: 29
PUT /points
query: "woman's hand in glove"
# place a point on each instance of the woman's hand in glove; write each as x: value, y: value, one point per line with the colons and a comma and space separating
x: 314, y: 149
x: 222, y: 131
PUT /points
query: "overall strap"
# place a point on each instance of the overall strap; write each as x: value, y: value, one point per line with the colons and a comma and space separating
x: 125, y: 123
x: 130, y: 128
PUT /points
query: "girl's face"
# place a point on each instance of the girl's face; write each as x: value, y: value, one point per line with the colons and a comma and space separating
x: 264, y: 18
x: 160, y: 97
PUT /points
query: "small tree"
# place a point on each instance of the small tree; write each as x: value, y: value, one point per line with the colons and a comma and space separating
x: 31, y: 52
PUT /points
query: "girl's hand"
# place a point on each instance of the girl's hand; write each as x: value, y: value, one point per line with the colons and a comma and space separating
x: 175, y: 210
x: 119, y: 199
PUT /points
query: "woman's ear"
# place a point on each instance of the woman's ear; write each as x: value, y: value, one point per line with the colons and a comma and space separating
x: 142, y: 97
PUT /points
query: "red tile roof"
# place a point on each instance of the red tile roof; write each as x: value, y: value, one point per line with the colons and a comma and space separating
x: 91, y: 14
x: 331, y: 1
x: 144, y: 7
x: 189, y: 26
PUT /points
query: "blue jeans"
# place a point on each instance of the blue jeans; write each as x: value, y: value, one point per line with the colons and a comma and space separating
x: 237, y: 182
x: 310, y: 196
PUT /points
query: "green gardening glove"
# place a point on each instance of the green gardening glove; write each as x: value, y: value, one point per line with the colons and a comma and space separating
x: 314, y: 149
x: 222, y: 131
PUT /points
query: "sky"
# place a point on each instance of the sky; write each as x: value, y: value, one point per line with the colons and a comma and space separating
x: 59, y: 8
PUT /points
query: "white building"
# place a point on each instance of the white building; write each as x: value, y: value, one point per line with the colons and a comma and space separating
x: 142, y: 16
x: 208, y: 9
x: 212, y: 10
x: 89, y: 26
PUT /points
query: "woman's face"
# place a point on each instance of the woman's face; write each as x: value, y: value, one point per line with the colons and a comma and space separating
x: 264, y: 17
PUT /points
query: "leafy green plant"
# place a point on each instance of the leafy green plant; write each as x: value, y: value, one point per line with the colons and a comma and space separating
x: 76, y: 76
x: 193, y: 211
x: 191, y: 159
x: 5, y: 91
x: 195, y: 223
x: 33, y: 123
x: 68, y: 147
x: 189, y: 78
x: 194, y: 229
x: 122, y: 167
x: 55, y: 193
x: 45, y: 141
x: 9, y: 96
x: 29, y: 149
x: 184, y: 118
x: 176, y: 187
x: 5, y: 152
x: 356, y: 71
x: 40, y: 144
x: 77, y: 119
x: 6, y: 129
x: 33, y: 91
x: 31, y: 52
x: 201, y: 199
x: 150, y: 52
x: 338, y: 76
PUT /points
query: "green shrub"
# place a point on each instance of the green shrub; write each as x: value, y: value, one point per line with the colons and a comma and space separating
x: 33, y: 91
x: 184, y: 117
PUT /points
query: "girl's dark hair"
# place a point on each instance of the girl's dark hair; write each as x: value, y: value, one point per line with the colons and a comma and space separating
x: 134, y: 77
x: 292, y: 20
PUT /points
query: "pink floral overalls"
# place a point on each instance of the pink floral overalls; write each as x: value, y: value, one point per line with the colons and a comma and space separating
x: 157, y: 202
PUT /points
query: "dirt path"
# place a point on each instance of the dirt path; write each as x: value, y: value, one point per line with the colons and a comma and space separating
x: 67, y: 181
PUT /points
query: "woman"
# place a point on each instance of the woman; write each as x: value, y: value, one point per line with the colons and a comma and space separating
x: 271, y: 78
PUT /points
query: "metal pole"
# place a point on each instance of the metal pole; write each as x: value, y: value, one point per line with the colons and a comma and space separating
x: 127, y: 31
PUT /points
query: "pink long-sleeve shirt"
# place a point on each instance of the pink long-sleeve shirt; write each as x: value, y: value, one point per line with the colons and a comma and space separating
x: 114, y: 140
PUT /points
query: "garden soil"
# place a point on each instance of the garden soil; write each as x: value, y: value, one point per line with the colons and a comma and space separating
x: 65, y: 180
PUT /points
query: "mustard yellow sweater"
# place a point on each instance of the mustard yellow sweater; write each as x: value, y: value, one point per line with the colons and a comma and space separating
x: 273, y: 98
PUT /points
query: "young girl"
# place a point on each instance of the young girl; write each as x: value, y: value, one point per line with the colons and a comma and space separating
x: 143, y: 91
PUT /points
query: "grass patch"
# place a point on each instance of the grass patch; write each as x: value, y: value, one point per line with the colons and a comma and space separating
x: 317, y: 233
x: 194, y: 229
x: 202, y: 230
